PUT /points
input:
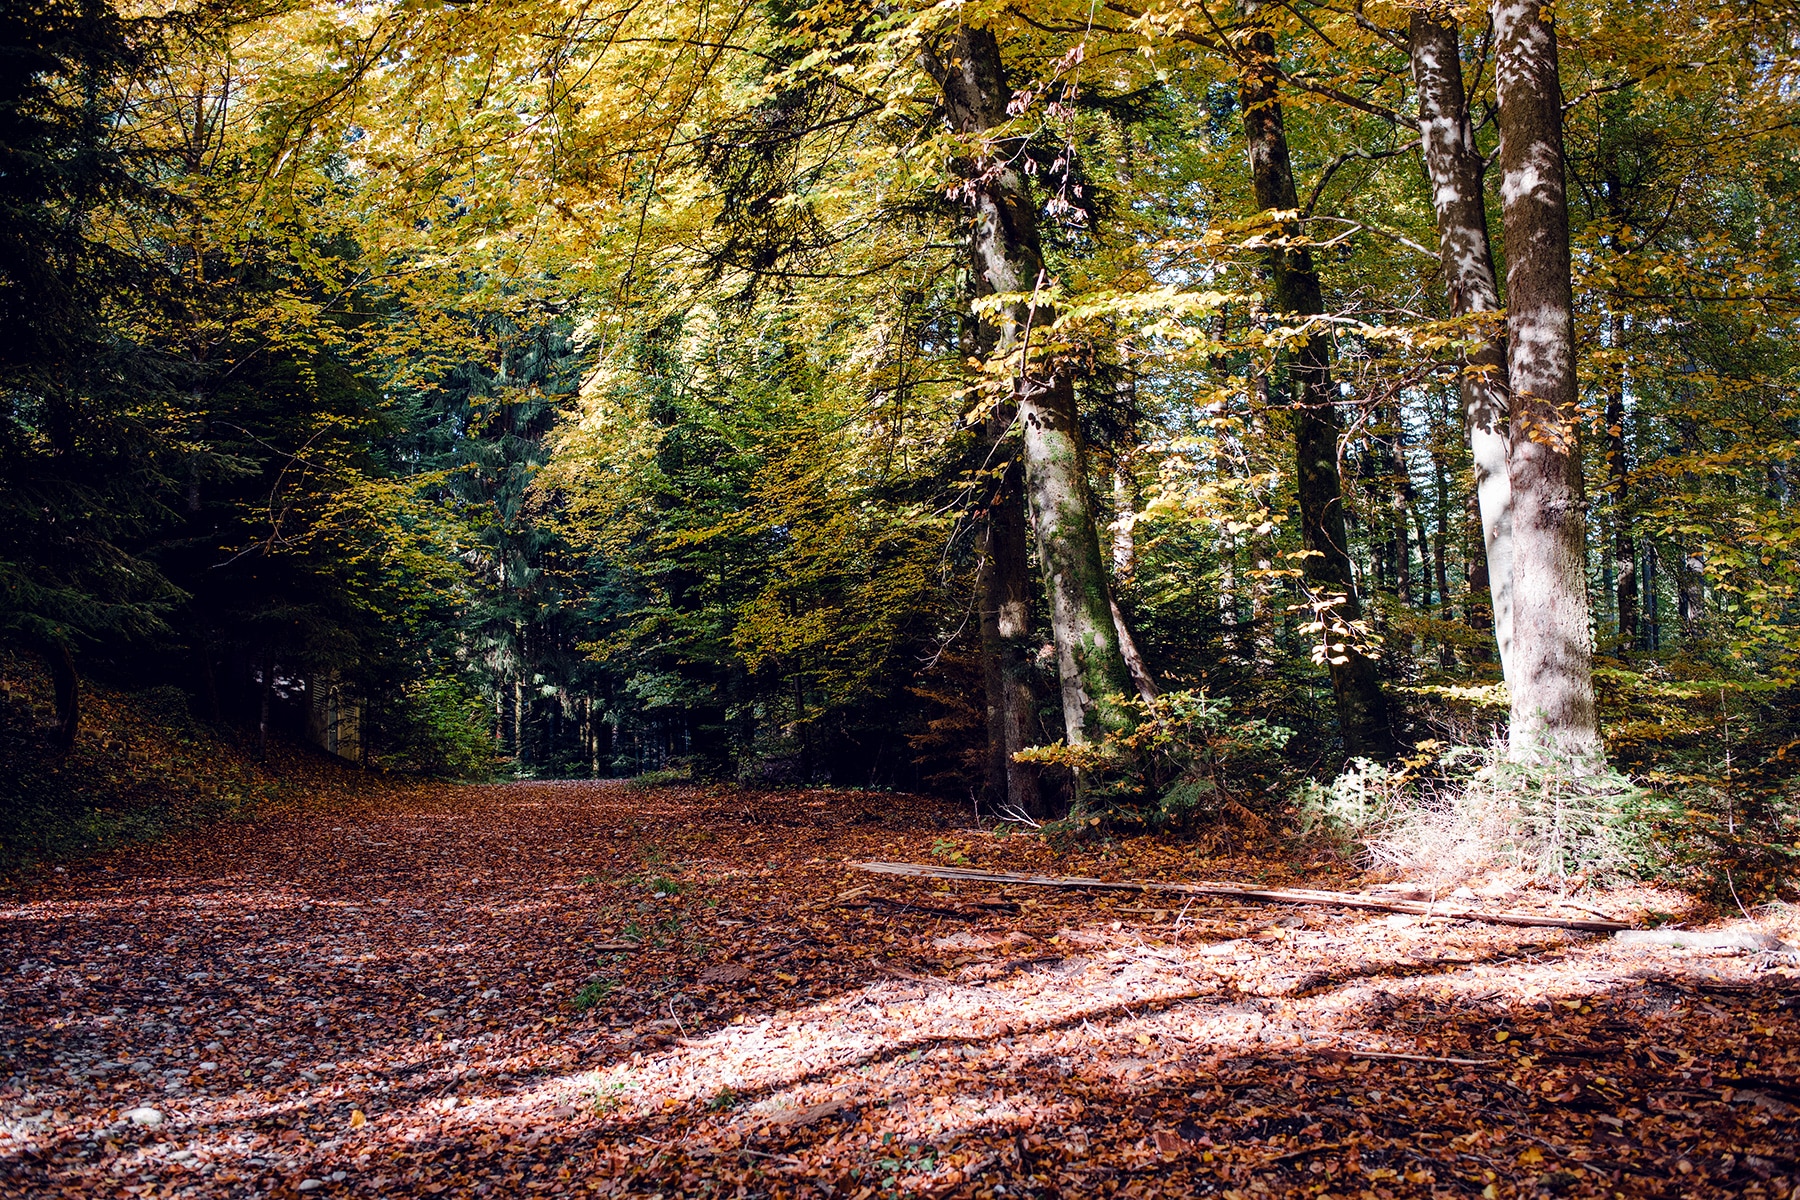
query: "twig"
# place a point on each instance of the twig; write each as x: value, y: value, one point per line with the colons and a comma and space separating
x: 1240, y: 892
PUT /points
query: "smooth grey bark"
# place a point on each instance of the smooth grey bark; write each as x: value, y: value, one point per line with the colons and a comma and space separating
x: 1009, y: 261
x: 1453, y: 163
x: 1295, y: 293
x: 1551, y: 679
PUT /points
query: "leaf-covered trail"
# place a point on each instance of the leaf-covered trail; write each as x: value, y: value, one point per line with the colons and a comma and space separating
x: 580, y: 989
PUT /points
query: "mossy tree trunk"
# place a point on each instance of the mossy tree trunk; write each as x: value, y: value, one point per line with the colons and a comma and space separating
x: 1005, y: 587
x: 1009, y: 261
x: 1295, y: 296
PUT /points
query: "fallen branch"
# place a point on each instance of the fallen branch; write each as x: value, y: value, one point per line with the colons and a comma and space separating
x: 1239, y: 892
x: 1429, y: 1058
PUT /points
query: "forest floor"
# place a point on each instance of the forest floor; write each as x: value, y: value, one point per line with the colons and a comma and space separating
x: 575, y: 989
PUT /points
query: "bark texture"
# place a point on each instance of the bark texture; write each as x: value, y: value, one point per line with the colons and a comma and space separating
x: 1005, y: 584
x: 1295, y: 294
x: 1551, y: 679
x: 1009, y: 261
x: 1454, y: 165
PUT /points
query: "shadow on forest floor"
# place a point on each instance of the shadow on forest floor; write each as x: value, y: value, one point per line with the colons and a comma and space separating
x: 591, y: 988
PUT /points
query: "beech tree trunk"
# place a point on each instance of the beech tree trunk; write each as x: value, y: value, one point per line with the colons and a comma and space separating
x: 1009, y: 261
x: 1551, y: 679
x: 1005, y: 585
x: 1295, y: 294
x: 1454, y: 165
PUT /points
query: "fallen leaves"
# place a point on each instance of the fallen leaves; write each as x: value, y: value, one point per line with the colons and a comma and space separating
x: 588, y: 989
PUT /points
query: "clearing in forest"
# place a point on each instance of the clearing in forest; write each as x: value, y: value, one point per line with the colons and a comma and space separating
x: 575, y: 989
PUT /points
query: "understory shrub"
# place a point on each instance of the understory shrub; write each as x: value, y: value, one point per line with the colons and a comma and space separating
x: 439, y: 728
x: 1452, y: 814
x: 1187, y: 761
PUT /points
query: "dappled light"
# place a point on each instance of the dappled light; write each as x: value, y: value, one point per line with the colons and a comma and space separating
x: 988, y: 599
x: 601, y: 989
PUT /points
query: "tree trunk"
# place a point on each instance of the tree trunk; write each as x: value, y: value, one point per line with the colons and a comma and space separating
x: 1009, y: 261
x: 1005, y: 583
x: 1551, y: 677
x: 65, y: 686
x: 1295, y: 293
x: 268, y: 694
x: 209, y: 683
x: 1619, y: 478
x: 1124, y: 538
x: 1454, y: 165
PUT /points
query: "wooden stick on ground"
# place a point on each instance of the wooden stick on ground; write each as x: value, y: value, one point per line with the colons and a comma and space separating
x: 1237, y: 891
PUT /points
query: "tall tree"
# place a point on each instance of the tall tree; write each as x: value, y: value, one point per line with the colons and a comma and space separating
x: 1454, y: 165
x: 1010, y: 263
x: 1551, y: 682
x: 1005, y: 587
x: 1296, y: 294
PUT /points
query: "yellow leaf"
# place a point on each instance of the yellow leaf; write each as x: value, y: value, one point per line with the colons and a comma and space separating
x: 1533, y: 1155
x: 357, y: 1119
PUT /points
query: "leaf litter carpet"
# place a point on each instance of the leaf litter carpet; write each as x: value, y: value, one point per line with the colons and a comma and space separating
x: 594, y: 989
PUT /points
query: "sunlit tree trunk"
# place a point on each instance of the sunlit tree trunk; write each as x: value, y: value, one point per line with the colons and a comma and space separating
x: 1009, y: 261
x: 1454, y: 165
x: 1619, y: 479
x: 1295, y: 294
x: 1551, y: 676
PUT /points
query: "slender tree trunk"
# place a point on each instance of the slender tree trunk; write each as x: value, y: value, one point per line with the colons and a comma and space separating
x: 1454, y: 165
x: 1478, y: 610
x: 1296, y: 294
x: 1124, y: 539
x: 1551, y: 677
x: 209, y: 683
x: 1009, y: 261
x: 65, y: 687
x: 1619, y: 478
x: 268, y: 693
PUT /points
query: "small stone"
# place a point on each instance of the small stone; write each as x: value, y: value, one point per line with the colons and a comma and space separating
x: 142, y: 1066
x: 311, y: 1185
x: 148, y: 1117
x: 209, y: 1066
x: 438, y: 1012
x: 181, y: 1156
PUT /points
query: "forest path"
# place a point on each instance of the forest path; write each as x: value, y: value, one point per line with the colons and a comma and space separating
x: 570, y: 989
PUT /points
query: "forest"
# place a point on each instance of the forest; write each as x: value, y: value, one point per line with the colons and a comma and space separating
x: 1327, y: 444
